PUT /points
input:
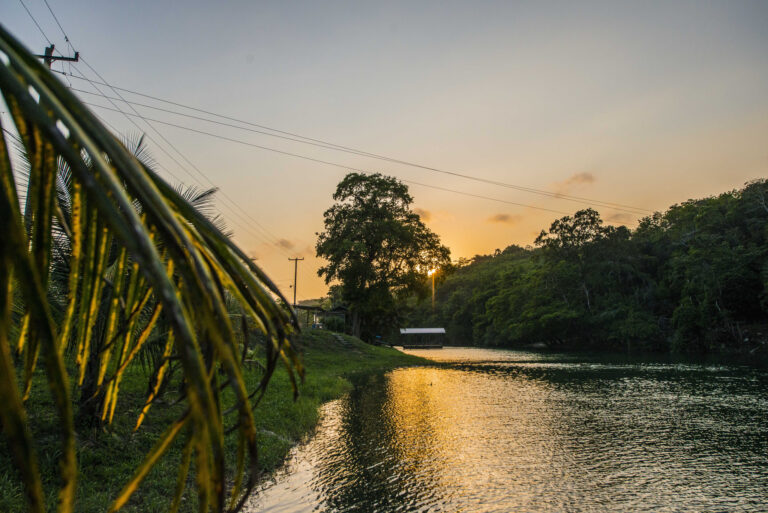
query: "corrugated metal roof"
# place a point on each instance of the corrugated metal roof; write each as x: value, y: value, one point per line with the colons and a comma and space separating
x: 421, y: 331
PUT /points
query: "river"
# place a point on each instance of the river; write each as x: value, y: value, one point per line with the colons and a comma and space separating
x: 507, y: 431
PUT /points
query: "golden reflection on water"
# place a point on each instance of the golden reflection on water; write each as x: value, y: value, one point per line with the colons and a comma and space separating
x: 512, y: 431
x: 460, y: 430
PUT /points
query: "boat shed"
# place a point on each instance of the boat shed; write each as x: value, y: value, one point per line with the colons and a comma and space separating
x: 422, y: 338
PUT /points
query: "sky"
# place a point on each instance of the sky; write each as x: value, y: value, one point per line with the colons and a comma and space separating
x: 637, y: 104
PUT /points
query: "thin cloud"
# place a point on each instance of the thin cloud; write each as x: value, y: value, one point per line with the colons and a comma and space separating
x: 580, y: 178
x: 285, y: 244
x: 504, y: 219
x: 574, y: 180
x: 621, y: 218
x: 425, y: 215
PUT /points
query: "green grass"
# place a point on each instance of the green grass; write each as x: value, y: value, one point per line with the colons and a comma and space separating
x: 107, y: 457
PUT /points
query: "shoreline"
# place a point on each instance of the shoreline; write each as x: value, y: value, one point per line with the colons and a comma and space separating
x: 330, y: 364
x: 108, y: 457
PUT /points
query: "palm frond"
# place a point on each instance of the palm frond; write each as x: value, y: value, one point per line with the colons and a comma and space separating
x: 128, y: 243
x: 135, y: 144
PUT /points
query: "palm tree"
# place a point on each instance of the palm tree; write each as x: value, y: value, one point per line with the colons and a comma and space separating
x: 103, y: 257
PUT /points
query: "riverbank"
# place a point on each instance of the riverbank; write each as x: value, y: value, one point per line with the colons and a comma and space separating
x: 107, y: 458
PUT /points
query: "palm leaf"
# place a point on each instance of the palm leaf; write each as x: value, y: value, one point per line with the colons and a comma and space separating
x: 111, y: 213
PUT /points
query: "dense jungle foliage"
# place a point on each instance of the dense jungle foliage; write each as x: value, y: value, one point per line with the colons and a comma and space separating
x: 692, y: 279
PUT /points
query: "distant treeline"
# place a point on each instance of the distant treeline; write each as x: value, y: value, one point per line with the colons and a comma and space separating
x: 693, y: 279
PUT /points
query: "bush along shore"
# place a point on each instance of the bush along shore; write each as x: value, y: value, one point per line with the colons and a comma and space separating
x: 109, y: 457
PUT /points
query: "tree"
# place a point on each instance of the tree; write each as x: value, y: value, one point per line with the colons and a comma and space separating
x: 377, y: 248
x: 123, y: 235
x: 574, y: 240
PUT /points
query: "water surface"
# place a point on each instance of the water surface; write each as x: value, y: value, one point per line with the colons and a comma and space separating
x: 493, y: 430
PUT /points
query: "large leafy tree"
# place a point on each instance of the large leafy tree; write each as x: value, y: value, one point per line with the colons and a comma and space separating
x: 377, y: 248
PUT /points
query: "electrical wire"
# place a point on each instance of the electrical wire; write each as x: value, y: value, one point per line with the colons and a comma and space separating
x: 326, y: 162
x: 35, y: 21
x: 83, y: 77
x: 332, y: 146
x: 246, y: 226
x: 117, y: 132
x: 323, y: 146
x: 302, y: 139
x: 104, y: 82
x: 200, y: 118
x: 56, y: 19
x: 225, y: 196
x: 288, y: 136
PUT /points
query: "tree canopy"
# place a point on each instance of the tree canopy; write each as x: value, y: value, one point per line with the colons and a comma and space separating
x: 377, y: 248
x: 693, y: 278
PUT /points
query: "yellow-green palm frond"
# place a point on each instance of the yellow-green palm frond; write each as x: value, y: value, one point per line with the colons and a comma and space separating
x: 140, y: 262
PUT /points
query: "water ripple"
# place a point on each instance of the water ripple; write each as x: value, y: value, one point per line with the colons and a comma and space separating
x: 508, y: 431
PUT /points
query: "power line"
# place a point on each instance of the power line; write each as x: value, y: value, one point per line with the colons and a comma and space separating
x: 485, y: 197
x: 406, y: 181
x: 104, y: 82
x: 328, y: 163
x: 35, y: 21
x: 225, y: 138
x: 117, y: 132
x: 199, y: 172
x: 264, y: 127
x: 48, y: 57
x: 146, y: 120
x: 64, y: 33
x: 56, y: 19
x: 302, y: 139
x: 241, y: 224
x: 117, y: 109
x: 200, y: 118
x: 289, y: 136
x: 224, y: 195
x: 297, y: 140
x: 332, y: 146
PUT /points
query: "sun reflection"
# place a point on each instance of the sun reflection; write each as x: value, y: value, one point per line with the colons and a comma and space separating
x: 516, y: 431
x: 437, y: 415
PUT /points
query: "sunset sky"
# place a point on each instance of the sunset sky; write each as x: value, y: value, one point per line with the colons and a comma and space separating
x: 640, y: 104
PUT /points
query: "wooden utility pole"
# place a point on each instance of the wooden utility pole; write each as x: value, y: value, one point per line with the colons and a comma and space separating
x: 295, y: 273
x: 49, y: 58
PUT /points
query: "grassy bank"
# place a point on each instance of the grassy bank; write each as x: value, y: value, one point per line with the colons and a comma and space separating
x: 108, y: 457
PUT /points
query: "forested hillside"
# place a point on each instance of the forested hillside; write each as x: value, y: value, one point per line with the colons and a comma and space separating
x: 692, y: 279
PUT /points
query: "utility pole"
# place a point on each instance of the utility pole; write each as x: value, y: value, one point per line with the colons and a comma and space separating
x: 295, y: 273
x: 49, y: 58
